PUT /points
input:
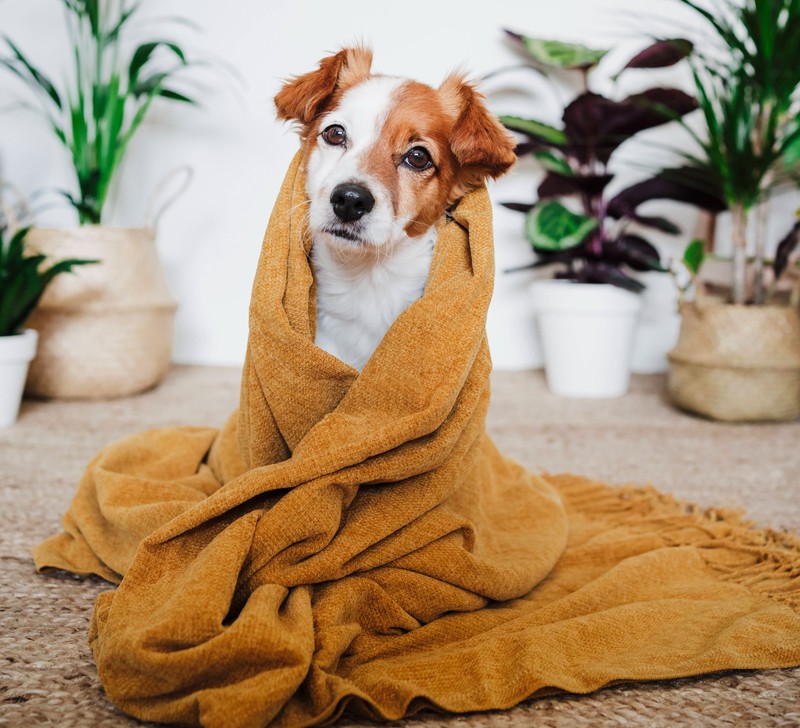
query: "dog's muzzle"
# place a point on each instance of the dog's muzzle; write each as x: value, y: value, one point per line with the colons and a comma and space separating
x: 351, y: 202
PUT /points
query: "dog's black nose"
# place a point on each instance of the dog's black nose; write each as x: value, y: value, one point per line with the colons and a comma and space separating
x: 351, y: 202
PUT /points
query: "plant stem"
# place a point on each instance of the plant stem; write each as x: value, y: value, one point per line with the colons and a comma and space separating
x: 758, y: 263
x: 711, y: 232
x: 762, y: 126
x: 739, y: 214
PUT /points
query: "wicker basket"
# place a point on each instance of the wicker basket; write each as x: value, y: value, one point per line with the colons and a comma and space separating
x: 106, y: 330
x: 737, y: 363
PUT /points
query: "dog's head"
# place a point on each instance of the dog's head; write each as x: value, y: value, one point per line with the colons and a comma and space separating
x: 385, y: 156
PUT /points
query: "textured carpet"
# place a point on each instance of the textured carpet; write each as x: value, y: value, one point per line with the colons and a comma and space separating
x: 46, y: 672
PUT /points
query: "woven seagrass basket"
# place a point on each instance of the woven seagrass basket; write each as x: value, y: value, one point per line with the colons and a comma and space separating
x: 106, y: 330
x: 737, y: 363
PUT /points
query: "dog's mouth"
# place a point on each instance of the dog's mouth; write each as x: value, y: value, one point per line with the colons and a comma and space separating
x: 343, y: 233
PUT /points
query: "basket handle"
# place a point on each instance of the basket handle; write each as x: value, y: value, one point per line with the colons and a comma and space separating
x: 15, y: 216
x: 154, y: 213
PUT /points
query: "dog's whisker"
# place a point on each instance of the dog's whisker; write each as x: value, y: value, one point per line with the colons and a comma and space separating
x: 299, y: 204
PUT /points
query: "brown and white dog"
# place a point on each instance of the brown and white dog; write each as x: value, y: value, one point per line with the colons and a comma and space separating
x: 385, y: 157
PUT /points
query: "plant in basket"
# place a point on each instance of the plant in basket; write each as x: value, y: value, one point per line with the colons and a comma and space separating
x: 587, y: 234
x: 24, y: 276
x: 738, y: 357
x: 111, y: 85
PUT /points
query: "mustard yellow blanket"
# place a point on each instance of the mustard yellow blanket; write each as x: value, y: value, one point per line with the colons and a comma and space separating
x: 356, y: 542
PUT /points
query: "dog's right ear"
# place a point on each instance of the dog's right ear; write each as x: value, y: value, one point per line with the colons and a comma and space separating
x: 303, y: 97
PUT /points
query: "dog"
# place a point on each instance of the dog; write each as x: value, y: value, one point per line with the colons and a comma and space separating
x: 384, y: 157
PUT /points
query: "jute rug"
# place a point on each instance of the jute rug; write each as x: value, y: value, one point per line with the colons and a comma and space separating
x: 46, y: 673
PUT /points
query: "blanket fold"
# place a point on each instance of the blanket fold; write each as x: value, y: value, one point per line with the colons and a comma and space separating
x: 356, y: 541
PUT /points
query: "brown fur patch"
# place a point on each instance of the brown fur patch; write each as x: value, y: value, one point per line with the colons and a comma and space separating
x: 416, y: 118
x: 482, y: 146
x: 305, y: 97
x: 466, y: 142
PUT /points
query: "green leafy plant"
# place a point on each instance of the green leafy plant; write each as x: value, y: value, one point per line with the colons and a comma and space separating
x: 23, y: 279
x: 694, y: 255
x: 100, y: 109
x: 595, y: 244
x: 747, y: 91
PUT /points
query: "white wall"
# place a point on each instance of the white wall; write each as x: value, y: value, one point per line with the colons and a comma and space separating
x: 210, y: 239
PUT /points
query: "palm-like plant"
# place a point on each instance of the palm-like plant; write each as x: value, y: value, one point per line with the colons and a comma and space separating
x: 23, y: 279
x: 747, y: 90
x: 98, y: 112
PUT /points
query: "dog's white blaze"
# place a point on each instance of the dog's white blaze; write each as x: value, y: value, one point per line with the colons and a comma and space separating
x: 361, y: 287
x: 362, y: 113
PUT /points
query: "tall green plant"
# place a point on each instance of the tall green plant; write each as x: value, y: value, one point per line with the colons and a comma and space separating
x: 23, y: 279
x: 99, y: 110
x: 747, y: 89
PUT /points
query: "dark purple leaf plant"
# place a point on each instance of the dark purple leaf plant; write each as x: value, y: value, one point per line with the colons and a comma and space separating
x: 591, y: 241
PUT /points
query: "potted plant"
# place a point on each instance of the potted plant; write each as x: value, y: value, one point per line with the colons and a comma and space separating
x: 108, y: 330
x: 23, y: 280
x: 587, y: 313
x: 738, y: 358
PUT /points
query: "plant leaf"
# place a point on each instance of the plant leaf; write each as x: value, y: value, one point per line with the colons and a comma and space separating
x: 85, y: 207
x: 553, y: 162
x: 693, y: 256
x: 35, y: 74
x: 662, y: 53
x: 791, y: 154
x: 683, y: 184
x: 112, y: 35
x: 635, y: 252
x: 91, y: 10
x: 595, y: 272
x: 650, y: 108
x: 785, y: 249
x: 557, y: 54
x: 657, y: 222
x: 22, y: 283
x: 596, y: 125
x: 167, y: 93
x: 537, y: 130
x: 549, y: 226
x: 556, y: 185
x: 143, y: 54
x: 518, y: 206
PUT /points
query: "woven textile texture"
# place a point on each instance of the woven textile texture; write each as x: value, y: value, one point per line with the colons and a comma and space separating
x: 356, y: 542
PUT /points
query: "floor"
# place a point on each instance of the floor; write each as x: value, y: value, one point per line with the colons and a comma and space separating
x: 46, y: 672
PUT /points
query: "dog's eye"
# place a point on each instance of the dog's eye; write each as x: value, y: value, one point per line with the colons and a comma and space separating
x: 334, y: 135
x: 418, y: 158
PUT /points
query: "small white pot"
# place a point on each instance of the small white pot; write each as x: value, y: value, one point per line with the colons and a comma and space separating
x: 587, y: 335
x: 16, y: 353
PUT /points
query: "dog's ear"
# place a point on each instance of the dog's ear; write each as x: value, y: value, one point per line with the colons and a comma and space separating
x: 479, y: 142
x: 303, y: 97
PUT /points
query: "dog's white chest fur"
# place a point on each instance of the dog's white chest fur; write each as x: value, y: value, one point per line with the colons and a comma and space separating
x: 360, y: 296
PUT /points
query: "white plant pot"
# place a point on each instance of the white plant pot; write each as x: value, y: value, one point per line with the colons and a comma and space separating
x: 658, y: 325
x: 587, y: 335
x: 16, y: 353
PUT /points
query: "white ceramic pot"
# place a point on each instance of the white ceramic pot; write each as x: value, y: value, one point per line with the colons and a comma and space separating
x: 16, y: 353
x: 587, y: 335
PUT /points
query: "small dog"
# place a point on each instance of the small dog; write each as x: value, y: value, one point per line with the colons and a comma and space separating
x: 385, y: 157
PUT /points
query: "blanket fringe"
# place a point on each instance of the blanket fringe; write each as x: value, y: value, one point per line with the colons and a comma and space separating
x: 764, y: 560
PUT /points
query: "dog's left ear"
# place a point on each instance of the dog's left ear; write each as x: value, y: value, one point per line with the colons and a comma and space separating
x: 302, y: 98
x: 479, y: 142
